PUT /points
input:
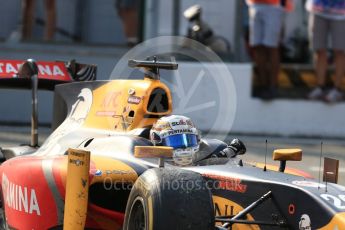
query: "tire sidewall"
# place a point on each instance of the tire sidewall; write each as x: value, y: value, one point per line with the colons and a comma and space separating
x: 170, y: 207
x: 139, y: 192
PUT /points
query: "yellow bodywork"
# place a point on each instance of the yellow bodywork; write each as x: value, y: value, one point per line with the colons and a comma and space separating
x: 336, y: 223
x: 119, y: 105
x: 288, y: 170
x: 225, y: 207
x: 113, y: 107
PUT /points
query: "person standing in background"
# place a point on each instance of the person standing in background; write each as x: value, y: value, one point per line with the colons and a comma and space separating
x: 265, y: 26
x: 327, y: 20
x: 128, y: 12
x: 29, y: 18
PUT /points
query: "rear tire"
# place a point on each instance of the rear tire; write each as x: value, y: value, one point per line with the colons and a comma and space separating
x: 169, y: 199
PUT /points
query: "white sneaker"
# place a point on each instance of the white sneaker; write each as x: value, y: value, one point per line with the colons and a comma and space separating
x: 334, y: 96
x: 316, y: 93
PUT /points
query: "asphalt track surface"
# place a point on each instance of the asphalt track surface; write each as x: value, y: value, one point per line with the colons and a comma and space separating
x: 256, y: 148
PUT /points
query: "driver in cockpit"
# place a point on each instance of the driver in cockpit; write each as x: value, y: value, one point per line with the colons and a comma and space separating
x: 180, y: 133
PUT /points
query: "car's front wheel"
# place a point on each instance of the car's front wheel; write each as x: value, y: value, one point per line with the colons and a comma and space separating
x: 169, y: 199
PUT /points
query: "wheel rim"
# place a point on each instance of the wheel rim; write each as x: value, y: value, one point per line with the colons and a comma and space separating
x: 137, y: 215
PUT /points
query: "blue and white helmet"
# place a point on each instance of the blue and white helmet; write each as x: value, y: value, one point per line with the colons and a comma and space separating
x: 179, y: 133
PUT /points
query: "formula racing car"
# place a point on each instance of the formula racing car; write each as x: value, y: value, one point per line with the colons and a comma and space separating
x: 99, y: 170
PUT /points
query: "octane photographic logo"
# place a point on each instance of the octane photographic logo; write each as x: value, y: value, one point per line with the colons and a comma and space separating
x: 202, y: 87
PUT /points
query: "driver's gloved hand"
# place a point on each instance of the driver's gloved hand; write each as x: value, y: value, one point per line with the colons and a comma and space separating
x: 237, y: 146
x: 227, y: 152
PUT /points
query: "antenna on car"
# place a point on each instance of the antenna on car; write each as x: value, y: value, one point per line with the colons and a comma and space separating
x: 265, y: 156
x: 29, y: 70
x: 152, y: 66
x: 318, y: 186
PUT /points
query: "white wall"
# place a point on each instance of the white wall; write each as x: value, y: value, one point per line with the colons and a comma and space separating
x: 281, y: 116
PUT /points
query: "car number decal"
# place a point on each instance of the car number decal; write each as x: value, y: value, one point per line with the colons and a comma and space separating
x: 338, y: 201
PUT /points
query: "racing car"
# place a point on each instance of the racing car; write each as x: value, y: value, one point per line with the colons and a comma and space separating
x: 99, y: 170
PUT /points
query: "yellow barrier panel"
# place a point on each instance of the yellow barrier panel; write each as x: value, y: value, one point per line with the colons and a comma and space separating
x: 77, y: 189
x: 287, y: 155
x: 153, y: 151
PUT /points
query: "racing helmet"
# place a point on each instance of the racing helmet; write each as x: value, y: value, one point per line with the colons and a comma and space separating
x: 178, y: 132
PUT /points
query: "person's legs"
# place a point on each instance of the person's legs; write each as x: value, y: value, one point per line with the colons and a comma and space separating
x: 256, y: 32
x: 337, y: 32
x: 318, y: 35
x: 128, y: 12
x: 338, y: 45
x: 339, y: 62
x: 335, y: 93
x: 321, y: 66
x: 260, y: 60
x: 50, y: 11
x: 28, y: 18
x: 273, y: 65
x: 273, y: 20
x: 130, y: 22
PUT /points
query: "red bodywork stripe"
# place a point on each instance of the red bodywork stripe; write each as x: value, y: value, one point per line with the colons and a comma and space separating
x: 101, y: 218
x: 56, y: 71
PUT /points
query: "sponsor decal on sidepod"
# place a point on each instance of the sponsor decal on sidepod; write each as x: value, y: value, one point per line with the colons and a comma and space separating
x: 20, y: 198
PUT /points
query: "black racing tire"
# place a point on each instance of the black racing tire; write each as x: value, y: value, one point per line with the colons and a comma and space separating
x: 169, y: 199
x: 3, y: 222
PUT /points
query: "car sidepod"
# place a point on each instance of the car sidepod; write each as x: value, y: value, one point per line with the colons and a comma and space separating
x: 31, y: 196
x: 278, y: 200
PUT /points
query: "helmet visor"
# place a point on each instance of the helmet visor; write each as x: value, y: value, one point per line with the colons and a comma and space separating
x: 181, y: 141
